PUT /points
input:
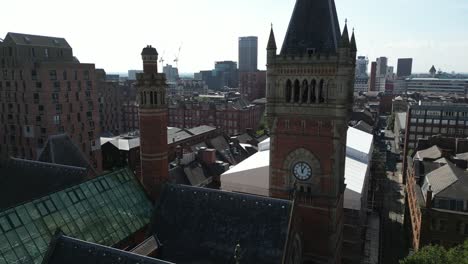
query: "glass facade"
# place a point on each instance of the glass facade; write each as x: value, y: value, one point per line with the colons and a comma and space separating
x: 105, y: 210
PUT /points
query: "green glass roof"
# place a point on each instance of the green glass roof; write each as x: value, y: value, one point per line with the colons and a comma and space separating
x: 105, y: 210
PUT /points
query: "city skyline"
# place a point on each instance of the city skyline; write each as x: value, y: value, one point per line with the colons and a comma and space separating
x: 208, y: 30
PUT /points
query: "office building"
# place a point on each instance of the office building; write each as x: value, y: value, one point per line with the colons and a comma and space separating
x: 404, y: 68
x: 248, y: 53
x: 437, y: 86
x: 382, y: 64
x: 172, y: 73
x: 361, y: 66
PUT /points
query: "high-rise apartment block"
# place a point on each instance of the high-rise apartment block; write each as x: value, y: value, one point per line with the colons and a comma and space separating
x: 248, y: 54
x: 44, y: 91
x: 405, y: 67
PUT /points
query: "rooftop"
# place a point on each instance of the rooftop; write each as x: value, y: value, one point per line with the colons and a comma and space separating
x: 105, y: 210
x: 201, y: 225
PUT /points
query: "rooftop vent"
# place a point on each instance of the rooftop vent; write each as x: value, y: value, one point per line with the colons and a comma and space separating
x: 27, y: 40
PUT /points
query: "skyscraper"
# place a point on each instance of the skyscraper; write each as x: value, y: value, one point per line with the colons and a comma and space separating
x: 361, y: 66
x: 373, y: 76
x: 248, y: 52
x: 405, y: 67
x: 309, y: 98
x: 382, y: 63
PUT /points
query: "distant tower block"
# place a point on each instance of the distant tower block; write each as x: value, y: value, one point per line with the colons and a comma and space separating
x: 151, y: 87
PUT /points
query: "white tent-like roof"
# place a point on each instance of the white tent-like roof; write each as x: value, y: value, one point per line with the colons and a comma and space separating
x: 252, y: 175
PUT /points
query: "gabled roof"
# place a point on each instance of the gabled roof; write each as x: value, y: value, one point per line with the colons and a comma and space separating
x: 64, y: 249
x: 445, y: 177
x: 60, y: 149
x: 314, y: 24
x: 200, y: 225
x: 25, y: 180
x: 36, y: 40
x: 105, y: 210
x: 432, y: 153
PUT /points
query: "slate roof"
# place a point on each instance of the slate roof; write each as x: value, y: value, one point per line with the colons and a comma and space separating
x: 462, y: 156
x: 60, y: 149
x: 448, y: 181
x: 36, y: 40
x: 64, y: 249
x: 201, y: 129
x: 105, y: 210
x: 200, y: 225
x: 25, y: 180
x: 314, y: 24
x: 432, y: 153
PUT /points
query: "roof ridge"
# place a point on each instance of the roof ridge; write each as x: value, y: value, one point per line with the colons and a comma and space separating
x: 49, y: 164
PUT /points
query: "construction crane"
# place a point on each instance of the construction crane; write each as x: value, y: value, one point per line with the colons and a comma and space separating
x: 176, y: 60
x: 161, y: 60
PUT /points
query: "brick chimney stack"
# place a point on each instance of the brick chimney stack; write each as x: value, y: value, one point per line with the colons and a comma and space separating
x: 151, y: 87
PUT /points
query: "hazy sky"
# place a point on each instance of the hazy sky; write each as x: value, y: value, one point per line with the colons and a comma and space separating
x: 111, y: 34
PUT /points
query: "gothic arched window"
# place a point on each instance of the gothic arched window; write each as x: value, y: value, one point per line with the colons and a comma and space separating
x: 151, y: 98
x: 313, y: 91
x: 297, y: 91
x: 305, y: 91
x: 288, y: 91
x: 321, y: 98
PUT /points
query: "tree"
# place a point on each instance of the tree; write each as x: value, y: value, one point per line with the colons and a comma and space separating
x: 435, y: 254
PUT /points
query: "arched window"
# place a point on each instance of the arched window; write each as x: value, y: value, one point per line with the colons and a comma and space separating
x: 155, y: 97
x: 151, y: 98
x: 321, y: 98
x: 313, y: 91
x: 305, y: 91
x: 288, y: 91
x: 142, y: 95
x: 297, y: 91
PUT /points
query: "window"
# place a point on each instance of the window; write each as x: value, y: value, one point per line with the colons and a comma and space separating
x: 46, y: 207
x: 53, y: 75
x: 56, y: 119
x: 46, y: 52
x: 33, y: 75
x: 64, y: 75
x: 38, y: 85
x: 86, y: 75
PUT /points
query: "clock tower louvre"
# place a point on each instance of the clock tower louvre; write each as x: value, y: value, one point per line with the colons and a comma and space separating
x: 309, y: 100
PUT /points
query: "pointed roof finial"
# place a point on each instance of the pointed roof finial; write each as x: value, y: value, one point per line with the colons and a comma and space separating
x: 353, y: 43
x: 345, y: 36
x: 346, y: 21
x: 271, y: 41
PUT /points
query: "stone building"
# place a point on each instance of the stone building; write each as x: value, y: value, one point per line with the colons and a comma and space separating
x: 44, y: 91
x: 309, y: 101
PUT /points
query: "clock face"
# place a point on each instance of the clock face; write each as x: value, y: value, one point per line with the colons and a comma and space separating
x: 302, y: 171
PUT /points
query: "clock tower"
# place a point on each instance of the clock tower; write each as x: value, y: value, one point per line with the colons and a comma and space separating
x: 309, y: 101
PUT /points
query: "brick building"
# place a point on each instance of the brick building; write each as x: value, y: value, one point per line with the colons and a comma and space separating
x: 44, y: 91
x: 252, y: 85
x: 110, y: 104
x: 309, y: 100
x: 131, y: 121
x: 233, y: 117
x: 437, y: 192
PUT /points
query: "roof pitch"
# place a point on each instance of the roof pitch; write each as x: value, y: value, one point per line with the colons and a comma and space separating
x: 36, y: 40
x: 64, y: 249
x: 443, y: 177
x: 314, y: 24
x: 60, y: 149
x: 25, y: 180
x: 432, y: 153
x: 216, y: 221
x: 105, y: 210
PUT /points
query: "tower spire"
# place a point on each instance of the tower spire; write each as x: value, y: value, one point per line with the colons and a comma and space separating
x: 271, y: 41
x: 353, y: 43
x: 345, y: 36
